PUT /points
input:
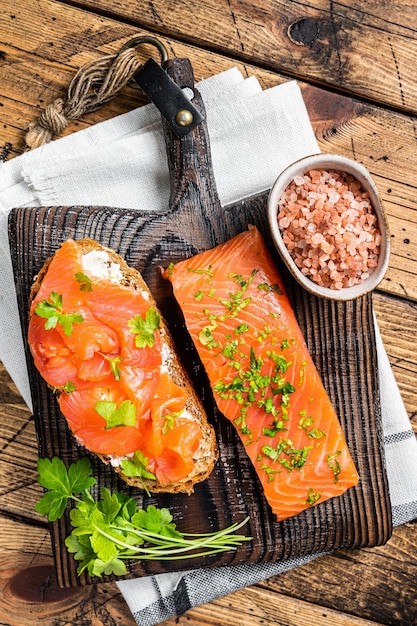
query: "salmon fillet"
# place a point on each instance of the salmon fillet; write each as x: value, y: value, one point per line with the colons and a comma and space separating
x: 263, y: 378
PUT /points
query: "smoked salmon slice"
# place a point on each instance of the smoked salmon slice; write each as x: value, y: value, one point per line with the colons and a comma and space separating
x: 263, y: 378
x: 100, y: 343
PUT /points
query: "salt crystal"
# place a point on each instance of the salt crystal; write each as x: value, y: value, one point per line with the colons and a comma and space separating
x: 324, y: 216
x: 299, y: 180
x: 316, y: 239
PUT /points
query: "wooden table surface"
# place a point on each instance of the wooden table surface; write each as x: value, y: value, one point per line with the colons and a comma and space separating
x: 355, y: 63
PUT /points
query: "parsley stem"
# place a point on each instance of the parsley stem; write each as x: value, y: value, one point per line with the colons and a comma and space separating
x: 161, y: 557
x: 170, y: 547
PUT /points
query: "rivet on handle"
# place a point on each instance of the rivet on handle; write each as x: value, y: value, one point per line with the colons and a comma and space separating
x: 184, y: 117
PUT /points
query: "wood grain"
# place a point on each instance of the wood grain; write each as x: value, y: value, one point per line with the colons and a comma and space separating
x: 29, y: 593
x: 350, y: 47
x: 42, y: 44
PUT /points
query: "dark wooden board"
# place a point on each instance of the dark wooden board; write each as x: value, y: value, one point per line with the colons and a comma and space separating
x: 340, y: 337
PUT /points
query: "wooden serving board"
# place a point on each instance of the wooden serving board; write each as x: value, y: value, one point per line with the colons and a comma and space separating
x: 340, y: 337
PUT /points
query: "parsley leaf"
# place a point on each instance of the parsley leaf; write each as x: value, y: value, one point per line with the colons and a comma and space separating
x: 334, y: 464
x: 136, y: 466
x: 69, y: 387
x: 61, y: 484
x: 122, y: 415
x: 86, y: 284
x: 52, y: 311
x: 144, y: 329
x: 158, y: 521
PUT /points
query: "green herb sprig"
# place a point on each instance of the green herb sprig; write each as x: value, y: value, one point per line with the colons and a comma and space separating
x: 122, y: 415
x: 52, y: 311
x: 111, y: 530
x: 144, y: 328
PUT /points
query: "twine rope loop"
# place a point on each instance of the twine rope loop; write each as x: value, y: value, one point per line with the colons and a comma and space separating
x: 95, y: 84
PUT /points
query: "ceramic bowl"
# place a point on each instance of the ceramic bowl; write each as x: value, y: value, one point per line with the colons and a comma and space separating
x: 336, y: 163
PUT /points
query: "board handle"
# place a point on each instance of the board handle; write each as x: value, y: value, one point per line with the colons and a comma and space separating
x: 192, y: 181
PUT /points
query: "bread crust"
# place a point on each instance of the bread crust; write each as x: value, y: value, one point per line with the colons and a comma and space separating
x: 207, y: 452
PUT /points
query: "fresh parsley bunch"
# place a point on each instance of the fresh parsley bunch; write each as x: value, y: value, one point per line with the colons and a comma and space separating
x: 110, y: 530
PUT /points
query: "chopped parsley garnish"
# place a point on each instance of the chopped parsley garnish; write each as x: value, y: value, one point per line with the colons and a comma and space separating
x: 199, y: 295
x: 260, y: 379
x: 69, y: 387
x: 270, y: 471
x: 208, y: 271
x: 281, y: 363
x: 114, y: 362
x: 241, y: 423
x: 313, y: 496
x: 268, y: 288
x: 250, y: 386
x: 144, y: 329
x: 230, y: 348
x: 334, y: 465
x: 206, y: 337
x: 305, y: 423
x: 241, y: 281
x: 276, y: 427
x: 284, y: 453
x: 169, y: 421
x: 236, y: 301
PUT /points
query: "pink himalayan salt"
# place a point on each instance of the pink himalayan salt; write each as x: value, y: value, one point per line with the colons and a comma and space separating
x: 329, y: 227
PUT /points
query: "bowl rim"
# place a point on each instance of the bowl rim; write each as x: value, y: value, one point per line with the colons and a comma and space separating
x: 336, y: 162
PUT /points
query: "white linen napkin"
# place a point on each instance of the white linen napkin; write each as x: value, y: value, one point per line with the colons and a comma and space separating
x: 254, y: 134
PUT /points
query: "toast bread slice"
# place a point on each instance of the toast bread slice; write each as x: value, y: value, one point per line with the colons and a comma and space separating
x: 206, y: 455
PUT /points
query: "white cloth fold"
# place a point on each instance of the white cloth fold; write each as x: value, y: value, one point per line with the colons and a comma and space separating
x: 254, y: 134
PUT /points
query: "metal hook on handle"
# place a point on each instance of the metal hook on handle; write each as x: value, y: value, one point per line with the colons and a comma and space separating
x: 142, y: 39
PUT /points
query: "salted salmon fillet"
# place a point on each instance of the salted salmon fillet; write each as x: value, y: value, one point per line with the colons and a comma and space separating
x: 263, y: 378
x: 99, y: 341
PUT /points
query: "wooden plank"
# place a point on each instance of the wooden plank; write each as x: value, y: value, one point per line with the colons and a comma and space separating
x: 343, y: 590
x: 397, y: 321
x: 363, y: 49
x: 19, y: 491
x: 66, y: 40
x: 383, y: 142
x: 297, y: 596
x: 28, y: 589
x: 390, y: 568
